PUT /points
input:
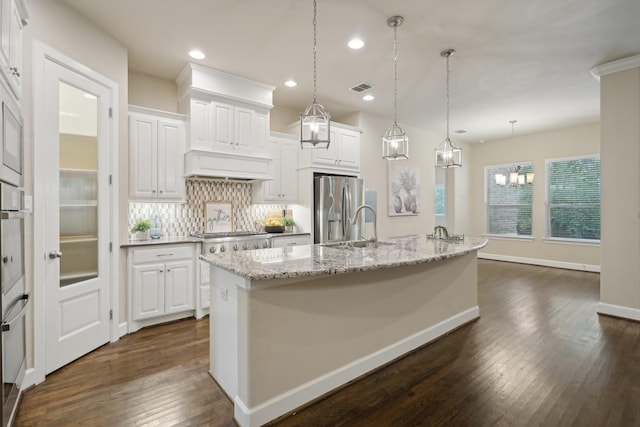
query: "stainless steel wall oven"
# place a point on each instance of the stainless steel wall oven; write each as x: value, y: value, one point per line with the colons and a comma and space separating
x: 13, y: 298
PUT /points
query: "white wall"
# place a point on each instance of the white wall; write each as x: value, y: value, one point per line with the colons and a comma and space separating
x: 152, y: 92
x: 374, y: 171
x: 620, y: 110
x: 59, y: 27
x: 575, y: 141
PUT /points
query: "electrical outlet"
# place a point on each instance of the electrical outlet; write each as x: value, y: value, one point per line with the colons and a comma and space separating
x: 224, y: 294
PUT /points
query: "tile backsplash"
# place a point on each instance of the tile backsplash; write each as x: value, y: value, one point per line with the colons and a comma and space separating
x: 182, y: 219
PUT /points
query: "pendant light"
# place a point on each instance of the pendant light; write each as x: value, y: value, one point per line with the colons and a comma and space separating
x: 315, y: 121
x: 447, y: 154
x: 395, y: 144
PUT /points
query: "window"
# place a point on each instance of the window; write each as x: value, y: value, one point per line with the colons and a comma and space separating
x: 573, y: 198
x: 509, y: 209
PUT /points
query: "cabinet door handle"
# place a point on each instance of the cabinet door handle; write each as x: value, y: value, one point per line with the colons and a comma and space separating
x: 55, y: 254
x: 160, y: 255
x: 161, y: 271
x: 168, y: 270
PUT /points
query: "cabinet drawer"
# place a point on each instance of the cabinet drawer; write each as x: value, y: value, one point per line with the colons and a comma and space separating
x: 285, y: 241
x: 163, y: 253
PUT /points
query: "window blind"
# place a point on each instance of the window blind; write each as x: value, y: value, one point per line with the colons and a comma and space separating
x: 509, y: 210
x: 573, y: 198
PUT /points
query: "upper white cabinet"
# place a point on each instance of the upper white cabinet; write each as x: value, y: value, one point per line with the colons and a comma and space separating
x: 156, y: 155
x: 13, y: 15
x: 284, y: 168
x: 228, y: 125
x: 343, y: 153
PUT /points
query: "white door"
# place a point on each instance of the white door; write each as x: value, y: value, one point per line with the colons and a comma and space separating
x: 78, y: 215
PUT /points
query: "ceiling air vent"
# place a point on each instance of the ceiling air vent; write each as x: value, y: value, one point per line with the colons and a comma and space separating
x: 361, y: 87
x: 460, y: 131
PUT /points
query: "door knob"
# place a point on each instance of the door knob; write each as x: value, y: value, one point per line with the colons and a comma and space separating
x: 55, y: 254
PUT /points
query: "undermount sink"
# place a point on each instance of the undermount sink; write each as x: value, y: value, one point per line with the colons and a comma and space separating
x: 350, y: 244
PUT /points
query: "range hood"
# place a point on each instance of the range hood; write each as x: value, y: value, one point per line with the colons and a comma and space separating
x: 221, y: 164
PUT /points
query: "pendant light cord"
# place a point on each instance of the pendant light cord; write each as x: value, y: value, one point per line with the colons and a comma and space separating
x: 395, y: 76
x: 513, y: 122
x: 314, y: 50
x: 448, y: 55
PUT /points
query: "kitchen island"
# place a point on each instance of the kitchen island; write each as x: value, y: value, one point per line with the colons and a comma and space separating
x: 291, y: 324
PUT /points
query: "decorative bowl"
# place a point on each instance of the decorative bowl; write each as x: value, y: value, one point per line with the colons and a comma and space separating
x: 274, y: 228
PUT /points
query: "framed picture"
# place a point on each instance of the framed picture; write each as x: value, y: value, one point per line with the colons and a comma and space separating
x: 404, y: 190
x: 218, y: 216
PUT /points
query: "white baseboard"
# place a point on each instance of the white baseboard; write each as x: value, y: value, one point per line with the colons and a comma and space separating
x: 618, y: 311
x: 285, y: 402
x: 542, y: 262
x: 123, y: 329
x: 29, y: 379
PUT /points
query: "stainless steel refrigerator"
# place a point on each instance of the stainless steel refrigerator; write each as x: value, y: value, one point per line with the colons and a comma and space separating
x: 336, y: 198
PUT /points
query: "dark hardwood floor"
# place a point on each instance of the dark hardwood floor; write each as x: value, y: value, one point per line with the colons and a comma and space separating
x: 539, y: 355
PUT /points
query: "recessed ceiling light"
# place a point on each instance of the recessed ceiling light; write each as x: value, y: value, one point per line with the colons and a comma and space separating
x: 291, y: 83
x: 197, y: 54
x: 356, y: 43
x: 368, y: 97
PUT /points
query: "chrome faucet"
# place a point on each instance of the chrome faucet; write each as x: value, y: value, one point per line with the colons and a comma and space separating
x: 354, y: 220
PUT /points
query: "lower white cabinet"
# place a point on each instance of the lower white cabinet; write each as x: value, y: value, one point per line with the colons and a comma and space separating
x: 285, y: 241
x: 161, y: 284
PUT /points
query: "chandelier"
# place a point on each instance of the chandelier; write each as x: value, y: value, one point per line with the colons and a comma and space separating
x: 516, y: 178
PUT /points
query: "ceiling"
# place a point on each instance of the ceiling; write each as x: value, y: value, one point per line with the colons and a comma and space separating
x: 528, y: 61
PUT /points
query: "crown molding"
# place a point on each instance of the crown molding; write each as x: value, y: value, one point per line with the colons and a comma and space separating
x: 615, y: 66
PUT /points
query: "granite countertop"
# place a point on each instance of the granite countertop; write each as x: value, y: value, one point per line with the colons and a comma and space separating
x: 190, y: 239
x: 319, y: 260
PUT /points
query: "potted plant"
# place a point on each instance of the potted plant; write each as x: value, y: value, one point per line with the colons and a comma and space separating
x: 141, y: 229
x: 288, y: 224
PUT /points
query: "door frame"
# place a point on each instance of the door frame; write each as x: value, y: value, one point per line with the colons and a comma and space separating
x: 43, y: 53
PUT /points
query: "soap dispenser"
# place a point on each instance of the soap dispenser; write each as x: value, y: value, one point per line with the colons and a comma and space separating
x: 155, y: 232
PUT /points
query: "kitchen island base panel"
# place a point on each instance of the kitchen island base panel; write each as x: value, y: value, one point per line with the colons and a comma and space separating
x: 298, y: 341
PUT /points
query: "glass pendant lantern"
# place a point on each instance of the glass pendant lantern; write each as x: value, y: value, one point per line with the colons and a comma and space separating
x: 447, y: 153
x: 395, y: 143
x: 315, y: 122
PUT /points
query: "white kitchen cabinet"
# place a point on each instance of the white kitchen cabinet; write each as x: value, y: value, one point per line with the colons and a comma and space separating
x: 342, y: 155
x: 229, y: 121
x: 161, y: 283
x: 237, y: 127
x: 156, y: 156
x: 13, y: 15
x: 284, y: 168
x: 285, y: 241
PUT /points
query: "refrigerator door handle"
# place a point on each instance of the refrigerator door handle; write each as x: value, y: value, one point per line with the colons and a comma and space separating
x: 346, y: 212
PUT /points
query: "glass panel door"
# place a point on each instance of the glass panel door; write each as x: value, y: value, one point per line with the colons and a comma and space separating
x: 79, y: 208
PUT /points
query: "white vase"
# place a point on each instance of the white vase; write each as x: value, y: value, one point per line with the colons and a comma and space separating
x: 142, y: 235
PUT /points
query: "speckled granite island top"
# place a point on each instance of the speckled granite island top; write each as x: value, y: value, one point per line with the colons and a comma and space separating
x: 318, y: 260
